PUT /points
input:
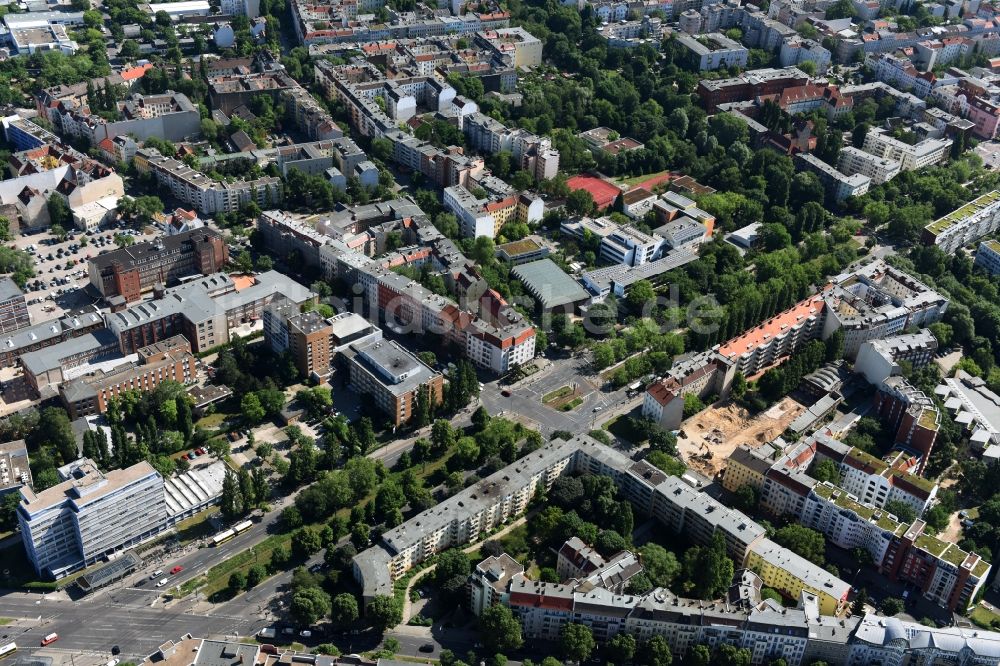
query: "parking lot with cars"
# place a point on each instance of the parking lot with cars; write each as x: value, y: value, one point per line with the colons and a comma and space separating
x: 61, y: 268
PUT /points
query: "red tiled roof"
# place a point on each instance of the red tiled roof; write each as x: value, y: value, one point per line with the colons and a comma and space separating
x: 773, y: 327
x: 136, y: 72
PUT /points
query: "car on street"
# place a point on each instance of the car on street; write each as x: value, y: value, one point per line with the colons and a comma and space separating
x: 156, y: 574
x: 427, y: 647
x: 50, y: 639
x: 176, y: 570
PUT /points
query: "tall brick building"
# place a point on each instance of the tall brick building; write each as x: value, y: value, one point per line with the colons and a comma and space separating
x: 129, y: 271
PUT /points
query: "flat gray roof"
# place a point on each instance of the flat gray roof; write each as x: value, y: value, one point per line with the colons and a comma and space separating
x: 549, y: 283
x: 9, y: 290
x: 48, y: 358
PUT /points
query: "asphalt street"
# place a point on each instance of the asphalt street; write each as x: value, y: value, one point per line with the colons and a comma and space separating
x: 525, y: 398
x: 136, y: 618
x: 89, y: 628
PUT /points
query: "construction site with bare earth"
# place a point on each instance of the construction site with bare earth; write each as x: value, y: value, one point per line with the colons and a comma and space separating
x: 708, y: 438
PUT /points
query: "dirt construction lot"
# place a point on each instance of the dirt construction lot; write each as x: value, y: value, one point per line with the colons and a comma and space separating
x: 709, y: 437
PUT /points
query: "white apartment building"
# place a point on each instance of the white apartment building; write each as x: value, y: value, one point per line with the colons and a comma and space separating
x: 779, y: 336
x: 880, y: 359
x: 925, y: 153
x: 202, y: 192
x: 856, y: 161
x: 988, y: 257
x: 531, y: 152
x: 89, y: 515
x: 976, y: 219
x: 627, y: 245
x: 838, y: 185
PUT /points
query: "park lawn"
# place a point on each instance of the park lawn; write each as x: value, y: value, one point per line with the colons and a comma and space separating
x: 197, y: 526
x: 572, y: 404
x: 216, y: 580
x: 16, y: 571
x: 635, y: 180
x: 515, y: 542
x: 560, y: 392
x: 984, y: 617
x: 224, y: 411
x: 621, y: 427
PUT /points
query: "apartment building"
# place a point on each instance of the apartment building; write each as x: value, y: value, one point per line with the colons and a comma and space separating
x: 748, y: 466
x: 13, y: 307
x: 776, y: 338
x: 741, y: 619
x: 714, y: 51
x: 838, y: 185
x: 878, y: 301
x: 202, y: 310
x: 309, y: 340
x: 791, y: 574
x: 169, y: 115
x: 461, y: 518
x: 531, y: 152
x: 880, y: 359
x: 206, y: 195
x: 987, y: 257
x: 967, y: 224
x: 747, y: 86
x: 393, y: 378
x: 700, y: 374
x: 492, y: 334
x: 49, y: 366
x: 517, y: 43
x: 877, y: 169
x: 486, y: 217
x: 913, y: 416
x: 475, y: 510
x: 971, y: 404
x: 852, y: 514
x: 169, y: 359
x: 130, y: 271
x: 900, y: 73
x: 15, y: 468
x: 945, y: 574
x: 488, y: 582
x: 88, y: 515
x: 924, y: 153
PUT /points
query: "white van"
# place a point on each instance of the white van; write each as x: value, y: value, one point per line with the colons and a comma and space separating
x: 163, y: 581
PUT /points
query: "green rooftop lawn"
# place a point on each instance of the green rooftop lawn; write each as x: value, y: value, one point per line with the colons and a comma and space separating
x: 968, y: 209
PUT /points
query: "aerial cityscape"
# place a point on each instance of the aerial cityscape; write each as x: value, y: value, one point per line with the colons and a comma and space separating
x: 488, y: 332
